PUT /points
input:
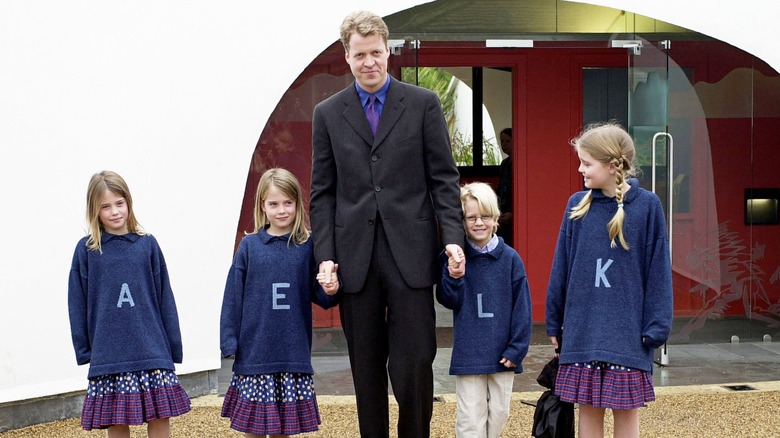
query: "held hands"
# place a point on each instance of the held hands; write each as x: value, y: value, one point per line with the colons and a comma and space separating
x: 327, y: 277
x: 456, y: 261
x: 507, y: 363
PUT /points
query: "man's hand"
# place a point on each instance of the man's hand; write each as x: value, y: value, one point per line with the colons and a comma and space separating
x: 330, y: 286
x: 327, y: 269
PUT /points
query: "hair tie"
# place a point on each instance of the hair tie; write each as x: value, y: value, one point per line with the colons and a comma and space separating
x: 620, y: 205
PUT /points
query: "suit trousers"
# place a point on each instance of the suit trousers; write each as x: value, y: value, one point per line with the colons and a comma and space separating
x: 390, y: 329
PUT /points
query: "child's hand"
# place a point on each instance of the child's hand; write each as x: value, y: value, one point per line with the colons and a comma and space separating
x: 507, y: 363
x: 454, y: 268
x: 554, y: 340
x: 332, y: 286
x: 456, y: 262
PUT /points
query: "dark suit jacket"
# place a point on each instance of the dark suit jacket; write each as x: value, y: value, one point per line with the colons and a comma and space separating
x: 406, y: 175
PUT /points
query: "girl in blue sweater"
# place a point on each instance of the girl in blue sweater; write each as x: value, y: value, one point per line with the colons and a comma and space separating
x: 266, y: 321
x: 610, y: 289
x: 491, y: 304
x: 123, y: 318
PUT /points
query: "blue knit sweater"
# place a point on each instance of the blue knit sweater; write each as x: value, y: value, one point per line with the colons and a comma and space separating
x: 492, y: 311
x: 266, y: 317
x: 610, y: 304
x: 122, y: 313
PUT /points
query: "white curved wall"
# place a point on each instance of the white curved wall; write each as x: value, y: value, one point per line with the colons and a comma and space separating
x: 172, y: 95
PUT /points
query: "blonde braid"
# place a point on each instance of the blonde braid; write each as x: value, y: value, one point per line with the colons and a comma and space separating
x: 581, y: 209
x: 615, y: 225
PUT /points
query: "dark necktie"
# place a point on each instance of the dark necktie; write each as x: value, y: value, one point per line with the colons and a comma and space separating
x: 371, y: 114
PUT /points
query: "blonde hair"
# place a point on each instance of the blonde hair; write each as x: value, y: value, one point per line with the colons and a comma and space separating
x: 288, y: 184
x: 486, y: 200
x: 608, y: 143
x: 98, y: 185
x: 364, y: 23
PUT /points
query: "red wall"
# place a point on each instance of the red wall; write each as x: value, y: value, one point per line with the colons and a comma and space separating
x: 548, y: 113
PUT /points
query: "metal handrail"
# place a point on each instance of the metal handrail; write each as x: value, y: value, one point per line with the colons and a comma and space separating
x: 670, y: 204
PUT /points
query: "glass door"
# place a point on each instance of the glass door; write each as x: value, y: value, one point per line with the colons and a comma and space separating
x: 648, y: 117
x: 671, y: 121
x: 648, y: 124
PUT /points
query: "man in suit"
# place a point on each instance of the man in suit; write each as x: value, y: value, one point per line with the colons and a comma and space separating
x: 379, y: 201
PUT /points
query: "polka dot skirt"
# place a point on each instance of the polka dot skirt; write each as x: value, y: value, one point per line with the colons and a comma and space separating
x: 268, y: 404
x: 133, y: 398
x: 604, y: 385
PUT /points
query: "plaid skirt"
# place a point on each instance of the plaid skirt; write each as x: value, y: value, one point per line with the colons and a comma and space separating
x: 133, y: 398
x: 604, y: 385
x: 272, y: 404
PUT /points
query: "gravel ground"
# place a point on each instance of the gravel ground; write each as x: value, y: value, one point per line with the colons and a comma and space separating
x: 680, y: 412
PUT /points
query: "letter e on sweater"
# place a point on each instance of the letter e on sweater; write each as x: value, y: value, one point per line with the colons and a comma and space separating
x: 276, y: 296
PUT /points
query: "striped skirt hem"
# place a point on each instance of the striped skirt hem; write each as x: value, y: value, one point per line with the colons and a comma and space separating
x: 604, y: 385
x: 106, y: 408
x: 269, y: 418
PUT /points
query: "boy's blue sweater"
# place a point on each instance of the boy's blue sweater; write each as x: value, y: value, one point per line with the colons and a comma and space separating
x: 122, y: 313
x: 266, y: 317
x: 610, y: 304
x: 492, y: 311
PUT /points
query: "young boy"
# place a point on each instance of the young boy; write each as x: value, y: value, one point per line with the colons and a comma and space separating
x: 491, y: 304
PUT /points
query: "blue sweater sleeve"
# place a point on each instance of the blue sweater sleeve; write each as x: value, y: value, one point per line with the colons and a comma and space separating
x: 521, y: 322
x: 170, y: 316
x: 658, y: 303
x: 449, y: 292
x: 232, y: 303
x: 77, y: 305
x: 322, y: 299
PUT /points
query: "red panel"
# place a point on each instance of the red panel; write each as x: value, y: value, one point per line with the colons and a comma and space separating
x: 325, y: 318
x: 547, y: 114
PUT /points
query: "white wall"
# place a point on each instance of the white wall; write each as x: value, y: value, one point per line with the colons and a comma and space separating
x: 172, y: 95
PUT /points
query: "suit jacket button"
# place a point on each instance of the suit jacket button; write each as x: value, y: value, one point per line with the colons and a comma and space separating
x: 377, y: 189
x: 371, y: 222
x: 374, y: 158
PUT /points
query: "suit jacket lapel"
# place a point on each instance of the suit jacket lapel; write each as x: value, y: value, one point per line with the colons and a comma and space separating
x: 353, y: 113
x: 391, y: 111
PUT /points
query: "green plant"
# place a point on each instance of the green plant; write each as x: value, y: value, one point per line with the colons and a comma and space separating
x: 443, y: 84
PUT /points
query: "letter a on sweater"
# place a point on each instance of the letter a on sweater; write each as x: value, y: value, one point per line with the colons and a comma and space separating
x: 125, y: 296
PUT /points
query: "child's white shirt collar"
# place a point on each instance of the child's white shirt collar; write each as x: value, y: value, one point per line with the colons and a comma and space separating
x: 491, y: 245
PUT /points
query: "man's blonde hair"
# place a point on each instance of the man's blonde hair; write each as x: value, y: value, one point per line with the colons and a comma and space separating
x: 364, y: 23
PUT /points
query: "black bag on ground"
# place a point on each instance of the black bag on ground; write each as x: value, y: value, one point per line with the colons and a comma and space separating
x: 553, y: 418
